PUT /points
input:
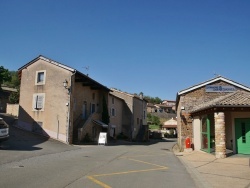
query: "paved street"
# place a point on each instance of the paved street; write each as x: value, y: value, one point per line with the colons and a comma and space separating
x: 29, y: 160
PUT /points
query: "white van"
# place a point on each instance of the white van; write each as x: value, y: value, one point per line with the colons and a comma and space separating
x: 4, y: 130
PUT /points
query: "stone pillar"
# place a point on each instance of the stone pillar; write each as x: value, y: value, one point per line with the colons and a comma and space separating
x: 220, y: 135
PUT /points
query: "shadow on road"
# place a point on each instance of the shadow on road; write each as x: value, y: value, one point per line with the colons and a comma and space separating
x: 20, y: 139
x: 119, y: 142
x: 145, y: 143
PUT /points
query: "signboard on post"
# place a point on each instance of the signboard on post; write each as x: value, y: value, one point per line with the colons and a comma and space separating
x: 102, y: 138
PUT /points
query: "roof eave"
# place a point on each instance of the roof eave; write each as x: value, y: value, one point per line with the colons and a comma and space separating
x: 48, y: 60
x: 211, y: 81
x: 219, y: 106
x: 104, y: 87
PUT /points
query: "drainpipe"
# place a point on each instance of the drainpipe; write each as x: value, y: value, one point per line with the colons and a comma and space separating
x: 69, y: 109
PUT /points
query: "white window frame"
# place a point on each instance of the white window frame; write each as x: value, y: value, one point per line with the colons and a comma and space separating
x: 44, y: 75
x: 37, y: 97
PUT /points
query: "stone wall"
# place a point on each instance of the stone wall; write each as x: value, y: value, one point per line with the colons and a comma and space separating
x: 220, y: 136
x: 12, y: 109
x: 188, y: 102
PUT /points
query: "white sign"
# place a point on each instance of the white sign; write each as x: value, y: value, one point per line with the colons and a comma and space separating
x: 216, y: 88
x: 102, y: 138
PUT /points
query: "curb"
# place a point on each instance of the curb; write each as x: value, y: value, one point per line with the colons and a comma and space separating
x: 195, y: 174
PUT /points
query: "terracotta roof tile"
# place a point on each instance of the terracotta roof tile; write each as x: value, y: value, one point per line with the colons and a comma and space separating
x: 238, y: 98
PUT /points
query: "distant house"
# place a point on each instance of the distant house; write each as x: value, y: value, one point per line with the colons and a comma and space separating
x: 215, y: 115
x: 151, y: 108
x: 128, y: 114
x: 60, y: 102
x: 169, y: 102
x: 5, y: 93
x: 165, y: 108
x: 170, y: 124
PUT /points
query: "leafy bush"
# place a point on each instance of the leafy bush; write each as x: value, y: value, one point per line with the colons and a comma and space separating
x: 170, y: 134
x: 154, y: 120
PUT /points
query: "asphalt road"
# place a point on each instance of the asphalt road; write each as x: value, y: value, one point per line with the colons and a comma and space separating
x: 29, y: 160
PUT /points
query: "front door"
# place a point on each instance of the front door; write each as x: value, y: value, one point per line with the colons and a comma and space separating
x: 205, y: 135
x: 242, y: 134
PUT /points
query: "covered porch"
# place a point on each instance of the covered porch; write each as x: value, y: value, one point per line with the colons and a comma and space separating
x: 222, y: 126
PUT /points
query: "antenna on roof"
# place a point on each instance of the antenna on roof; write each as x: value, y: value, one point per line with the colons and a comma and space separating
x: 216, y: 75
x: 87, y: 69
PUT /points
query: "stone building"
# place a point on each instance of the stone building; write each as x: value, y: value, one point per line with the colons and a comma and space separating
x: 215, y: 115
x: 128, y: 114
x: 60, y: 102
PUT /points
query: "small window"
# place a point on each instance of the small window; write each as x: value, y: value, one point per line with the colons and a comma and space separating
x: 38, y: 101
x: 93, y: 96
x: 40, y: 77
x: 92, y: 108
x: 113, y: 100
x: 112, y: 112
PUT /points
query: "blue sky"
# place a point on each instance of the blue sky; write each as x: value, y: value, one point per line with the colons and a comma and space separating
x: 157, y: 47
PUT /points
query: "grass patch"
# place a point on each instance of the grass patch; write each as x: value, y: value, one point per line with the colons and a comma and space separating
x: 154, y: 126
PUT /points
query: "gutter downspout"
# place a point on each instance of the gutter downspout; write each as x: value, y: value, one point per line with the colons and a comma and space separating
x: 69, y: 109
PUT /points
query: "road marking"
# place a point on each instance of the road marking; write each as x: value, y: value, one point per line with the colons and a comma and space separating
x: 98, y: 182
x: 128, y: 172
x: 146, y: 163
x: 92, y: 178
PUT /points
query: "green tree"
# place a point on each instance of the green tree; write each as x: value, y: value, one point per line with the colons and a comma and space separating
x: 14, y: 97
x: 14, y: 82
x: 156, y: 120
x: 105, y: 112
x: 149, y: 118
x: 4, y: 75
x: 154, y: 100
x: 153, y: 120
x: 157, y: 100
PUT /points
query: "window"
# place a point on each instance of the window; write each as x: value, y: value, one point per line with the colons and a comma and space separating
x: 112, y: 112
x: 93, y: 96
x: 38, y: 101
x: 40, y: 77
x: 113, y: 100
x: 92, y: 108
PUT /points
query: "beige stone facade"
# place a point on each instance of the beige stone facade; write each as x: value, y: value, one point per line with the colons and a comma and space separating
x: 12, y: 109
x: 199, y: 109
x: 131, y: 114
x: 58, y: 101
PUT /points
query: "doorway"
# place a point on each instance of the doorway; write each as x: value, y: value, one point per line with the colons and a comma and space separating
x: 207, y: 134
x: 242, y: 135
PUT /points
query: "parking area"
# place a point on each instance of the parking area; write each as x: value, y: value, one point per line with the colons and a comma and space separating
x: 22, y: 144
x: 48, y: 163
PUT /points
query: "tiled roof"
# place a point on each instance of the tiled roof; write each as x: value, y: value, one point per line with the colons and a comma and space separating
x: 236, y: 99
